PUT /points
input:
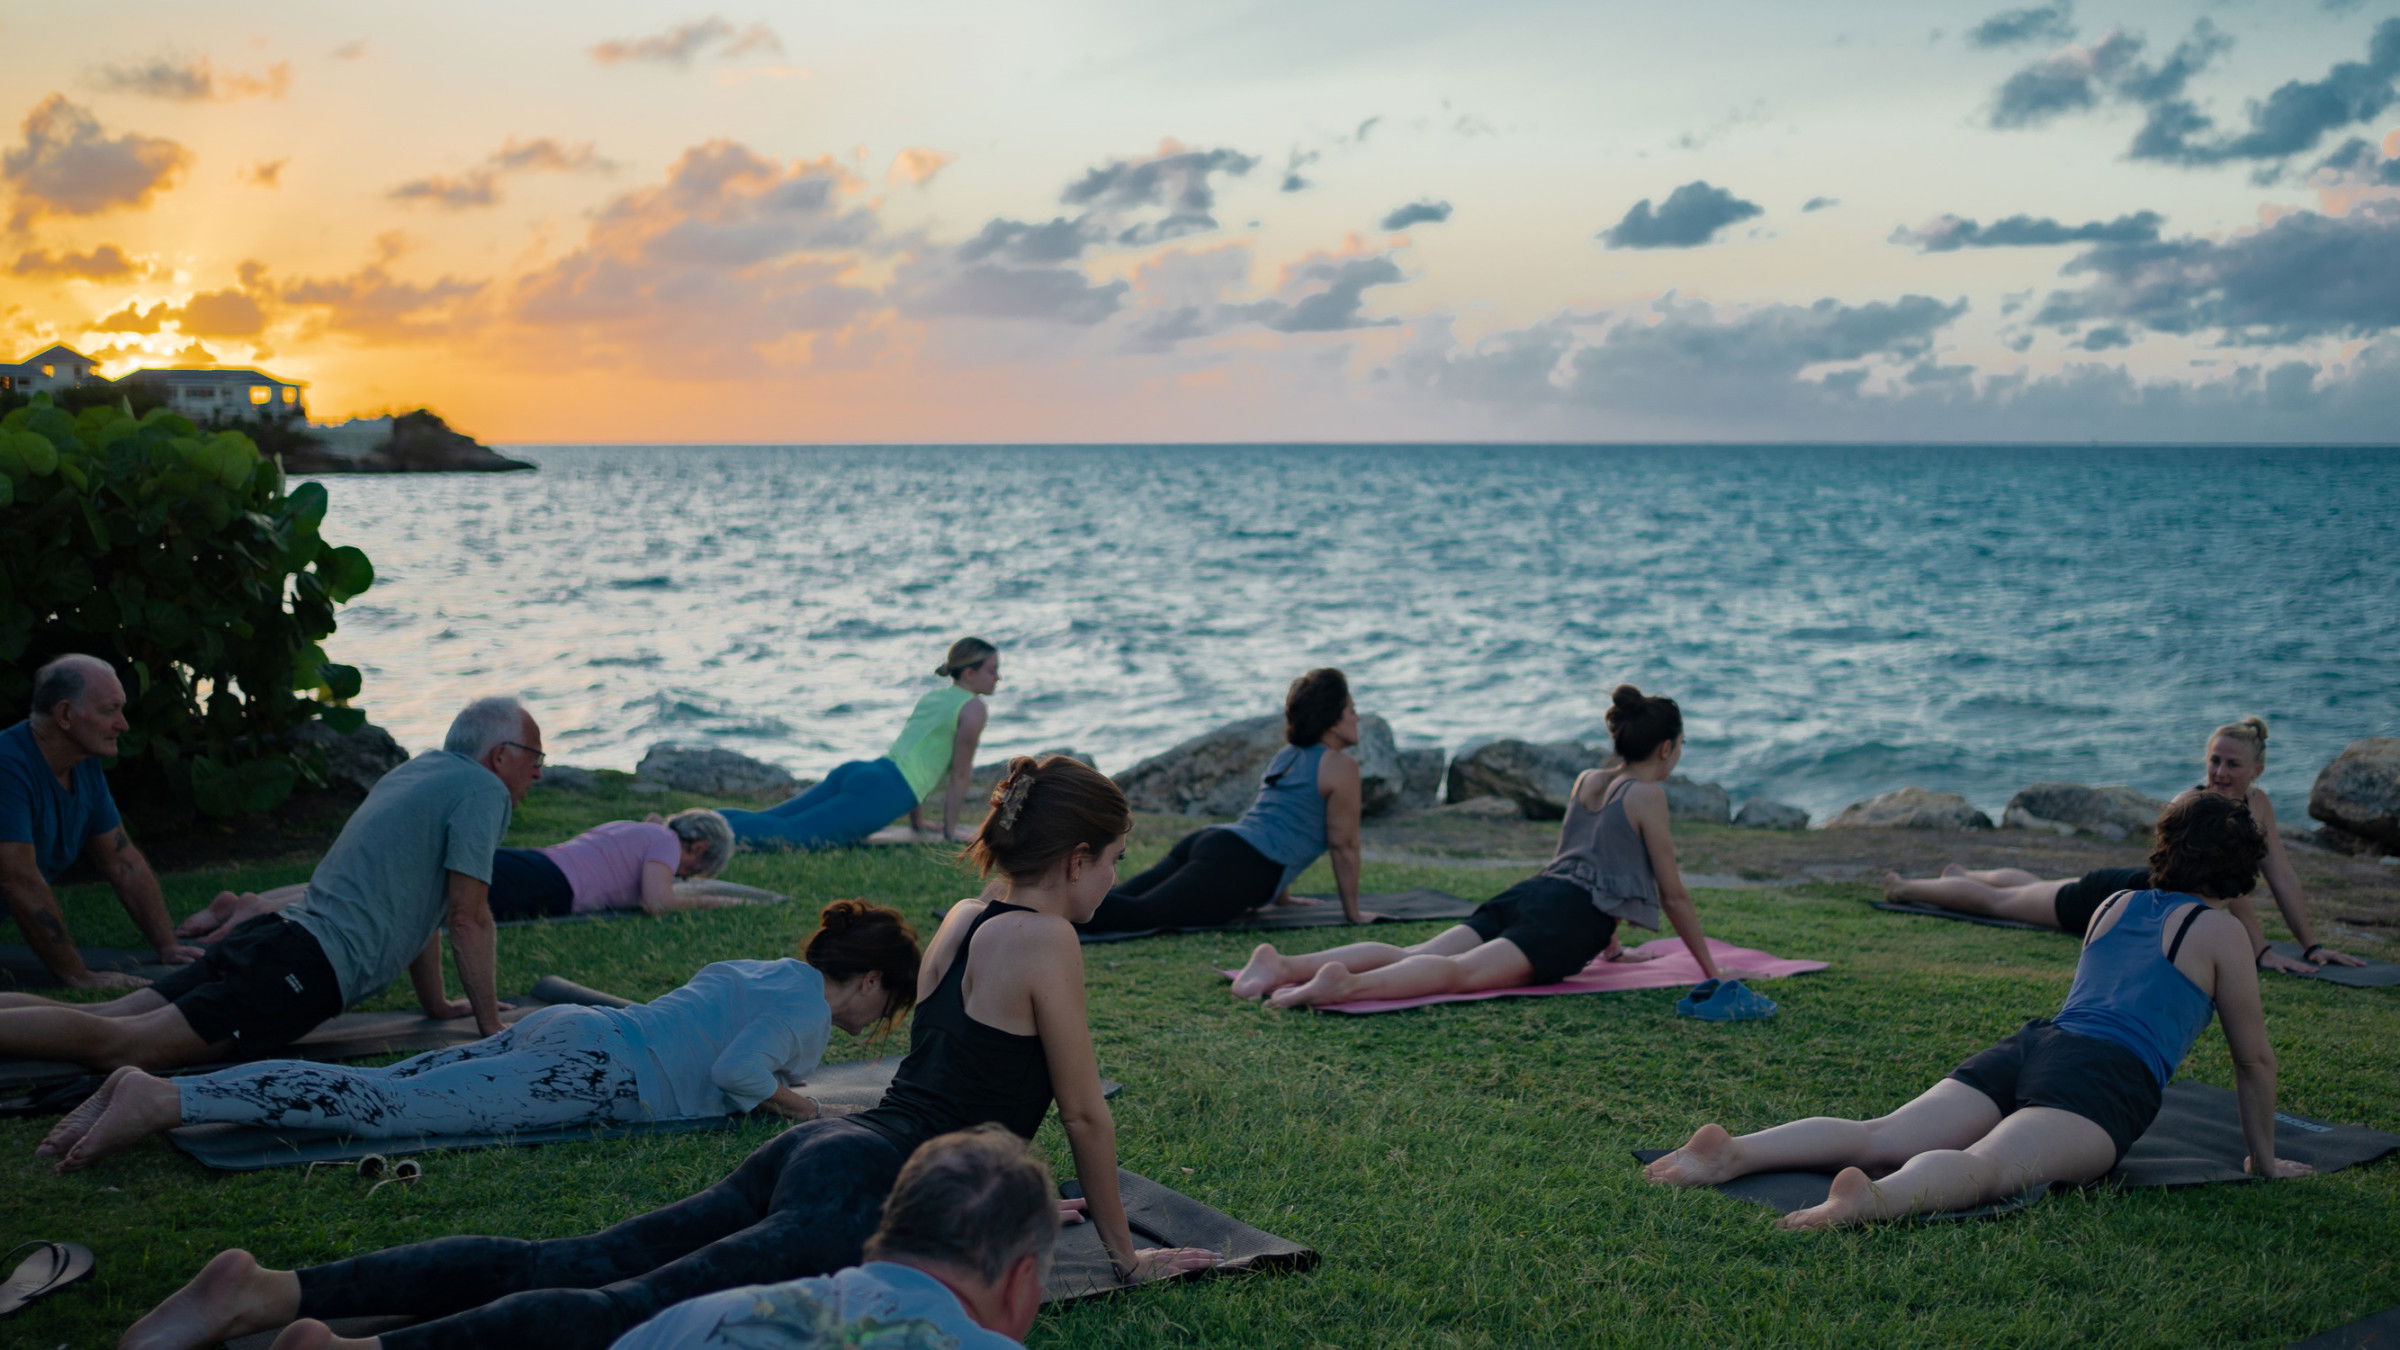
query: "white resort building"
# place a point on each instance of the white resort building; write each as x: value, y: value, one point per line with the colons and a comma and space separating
x: 54, y: 368
x: 212, y: 393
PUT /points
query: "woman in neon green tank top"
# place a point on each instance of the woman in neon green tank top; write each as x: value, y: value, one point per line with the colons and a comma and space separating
x: 935, y: 749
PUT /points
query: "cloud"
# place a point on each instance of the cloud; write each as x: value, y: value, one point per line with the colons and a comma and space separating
x: 2292, y: 120
x: 371, y: 303
x: 2103, y: 339
x: 1427, y: 212
x: 2359, y: 163
x: 680, y: 45
x: 1819, y: 204
x: 192, y: 81
x: 991, y: 291
x: 1945, y: 234
x: 226, y: 313
x: 1691, y: 216
x: 69, y: 166
x: 265, y: 173
x: 193, y: 354
x: 1292, y: 165
x: 2072, y: 79
x: 1174, y: 179
x: 544, y: 155
x: 480, y: 186
x: 2054, y: 22
x: 476, y: 187
x: 1334, y: 307
x: 2304, y: 276
x: 1056, y: 241
x: 135, y: 319
x: 917, y: 165
x: 105, y: 263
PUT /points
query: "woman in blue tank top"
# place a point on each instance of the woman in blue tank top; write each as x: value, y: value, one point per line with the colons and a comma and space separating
x: 1308, y: 805
x: 2063, y: 1098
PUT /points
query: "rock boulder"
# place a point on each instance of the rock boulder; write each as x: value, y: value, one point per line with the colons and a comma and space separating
x: 1216, y: 774
x: 1421, y: 778
x: 2114, y: 812
x: 1687, y: 800
x: 987, y: 776
x: 1761, y: 813
x: 567, y: 778
x: 712, y: 772
x: 2357, y: 795
x: 1911, y: 808
x: 1538, y: 777
x: 355, y: 761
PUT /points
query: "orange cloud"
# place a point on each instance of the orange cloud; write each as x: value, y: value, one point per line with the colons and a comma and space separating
x: 193, y: 81
x: 69, y: 166
x: 105, y: 263
x: 918, y: 165
x: 680, y: 44
x: 265, y: 173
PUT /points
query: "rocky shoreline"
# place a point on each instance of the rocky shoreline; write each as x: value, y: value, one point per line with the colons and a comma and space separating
x: 417, y: 442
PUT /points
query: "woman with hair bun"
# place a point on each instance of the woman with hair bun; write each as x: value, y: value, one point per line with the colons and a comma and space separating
x: 999, y: 1034
x: 935, y: 750
x: 2063, y: 1098
x: 1615, y: 863
x: 741, y: 1036
x: 2235, y: 756
x: 1308, y: 805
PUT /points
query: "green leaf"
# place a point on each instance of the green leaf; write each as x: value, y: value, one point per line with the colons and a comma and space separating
x: 341, y: 681
x: 344, y: 720
x: 305, y: 507
x: 346, y: 571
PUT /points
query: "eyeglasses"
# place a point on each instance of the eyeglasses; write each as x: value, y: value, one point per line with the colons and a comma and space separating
x: 538, y: 756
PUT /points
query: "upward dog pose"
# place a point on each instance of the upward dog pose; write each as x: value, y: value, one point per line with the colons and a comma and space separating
x: 1307, y: 804
x: 1616, y: 861
x: 935, y: 749
x: 742, y: 1034
x: 2236, y: 755
x: 2063, y: 1098
x: 1001, y: 1034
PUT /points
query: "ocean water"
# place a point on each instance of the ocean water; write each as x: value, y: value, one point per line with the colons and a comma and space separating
x: 1835, y: 621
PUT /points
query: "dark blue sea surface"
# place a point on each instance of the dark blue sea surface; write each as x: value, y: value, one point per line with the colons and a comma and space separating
x: 1836, y: 621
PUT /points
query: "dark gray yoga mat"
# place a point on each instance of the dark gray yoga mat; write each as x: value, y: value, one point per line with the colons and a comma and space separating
x: 21, y: 969
x: 1161, y: 1217
x: 1394, y: 907
x: 35, y: 1086
x: 2375, y: 1331
x: 1937, y: 912
x: 2372, y: 975
x: 2196, y: 1141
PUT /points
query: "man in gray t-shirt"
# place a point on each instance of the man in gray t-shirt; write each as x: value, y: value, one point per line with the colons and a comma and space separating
x: 416, y: 855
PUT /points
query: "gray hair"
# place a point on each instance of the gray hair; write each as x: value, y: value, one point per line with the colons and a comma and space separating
x: 978, y: 1199
x: 63, y: 680
x: 702, y: 824
x: 485, y: 723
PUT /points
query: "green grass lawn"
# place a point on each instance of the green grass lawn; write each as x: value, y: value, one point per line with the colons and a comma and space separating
x: 1464, y: 1169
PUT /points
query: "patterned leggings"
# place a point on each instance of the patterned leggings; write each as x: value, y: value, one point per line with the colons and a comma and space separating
x: 561, y: 1066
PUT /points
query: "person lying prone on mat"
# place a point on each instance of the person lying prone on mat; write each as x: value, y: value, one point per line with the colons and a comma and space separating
x: 624, y: 864
x: 1616, y: 861
x: 742, y: 1034
x: 2063, y: 1098
x: 1000, y: 1033
x: 415, y: 857
x: 1307, y: 805
x: 958, y: 1261
x: 2236, y: 754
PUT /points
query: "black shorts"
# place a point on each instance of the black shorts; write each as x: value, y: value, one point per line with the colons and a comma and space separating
x: 2079, y: 899
x: 2040, y: 1065
x: 261, y: 987
x: 527, y: 885
x: 1550, y: 919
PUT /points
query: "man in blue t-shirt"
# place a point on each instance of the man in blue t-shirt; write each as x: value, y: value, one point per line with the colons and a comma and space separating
x: 55, y: 807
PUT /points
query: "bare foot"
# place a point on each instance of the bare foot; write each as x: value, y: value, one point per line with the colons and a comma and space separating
x: 78, y: 1123
x: 1708, y: 1157
x: 1849, y: 1202
x: 1953, y: 870
x: 1892, y: 883
x: 311, y: 1334
x: 1262, y: 976
x: 108, y: 979
x: 1331, y: 984
x: 233, y: 1295
x: 138, y: 1107
x: 210, y: 918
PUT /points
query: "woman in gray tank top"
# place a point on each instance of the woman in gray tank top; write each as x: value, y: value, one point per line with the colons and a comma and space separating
x: 1615, y: 862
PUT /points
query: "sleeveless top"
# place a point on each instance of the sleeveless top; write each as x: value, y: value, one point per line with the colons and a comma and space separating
x: 1601, y: 851
x: 922, y: 752
x: 2127, y: 992
x: 1287, y: 821
x: 960, y: 1072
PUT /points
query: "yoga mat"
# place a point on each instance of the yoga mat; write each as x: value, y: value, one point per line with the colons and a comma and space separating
x: 34, y: 1086
x: 1937, y: 912
x: 2372, y: 975
x: 2196, y: 1141
x: 2375, y: 1331
x: 1161, y: 1217
x: 1392, y: 907
x: 749, y: 895
x: 21, y: 969
x: 1674, y: 969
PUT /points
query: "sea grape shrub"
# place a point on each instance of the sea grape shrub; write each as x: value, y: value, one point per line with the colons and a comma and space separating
x: 180, y: 556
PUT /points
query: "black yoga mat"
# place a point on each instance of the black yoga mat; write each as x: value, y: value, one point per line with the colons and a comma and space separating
x: 35, y: 1086
x: 21, y: 969
x: 1937, y: 912
x: 2372, y: 975
x: 2196, y: 1141
x: 1161, y: 1217
x: 1394, y: 907
x: 2375, y: 1331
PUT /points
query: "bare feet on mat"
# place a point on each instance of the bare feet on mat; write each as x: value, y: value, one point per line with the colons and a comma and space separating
x: 233, y: 1295
x: 1953, y: 870
x: 1892, y: 883
x: 310, y: 1334
x: 107, y: 979
x: 139, y: 1106
x: 1262, y: 976
x: 1708, y: 1157
x: 209, y: 918
x: 78, y: 1122
x: 1331, y: 984
x: 1848, y: 1202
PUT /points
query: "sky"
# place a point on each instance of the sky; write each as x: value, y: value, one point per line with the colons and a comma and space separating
x: 1300, y: 221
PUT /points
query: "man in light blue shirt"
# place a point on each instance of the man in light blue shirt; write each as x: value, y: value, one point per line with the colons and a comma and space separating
x: 957, y: 1264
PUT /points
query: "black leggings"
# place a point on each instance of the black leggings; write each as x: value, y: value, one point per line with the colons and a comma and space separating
x: 803, y: 1204
x: 1210, y: 877
x: 527, y: 885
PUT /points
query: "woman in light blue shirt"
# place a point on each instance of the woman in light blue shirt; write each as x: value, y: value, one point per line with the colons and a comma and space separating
x: 741, y: 1036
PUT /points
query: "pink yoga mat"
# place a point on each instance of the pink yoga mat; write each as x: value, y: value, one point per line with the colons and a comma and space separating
x: 1673, y: 970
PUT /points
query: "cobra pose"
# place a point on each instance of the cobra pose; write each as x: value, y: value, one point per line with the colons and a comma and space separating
x: 1001, y: 1034
x: 1615, y: 862
x: 935, y: 750
x: 742, y: 1034
x: 1308, y: 805
x: 2236, y: 755
x: 2066, y: 1096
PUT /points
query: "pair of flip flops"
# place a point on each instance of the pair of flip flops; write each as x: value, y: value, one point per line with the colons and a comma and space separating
x: 376, y: 1168
x: 1725, y: 1001
x: 50, y: 1267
